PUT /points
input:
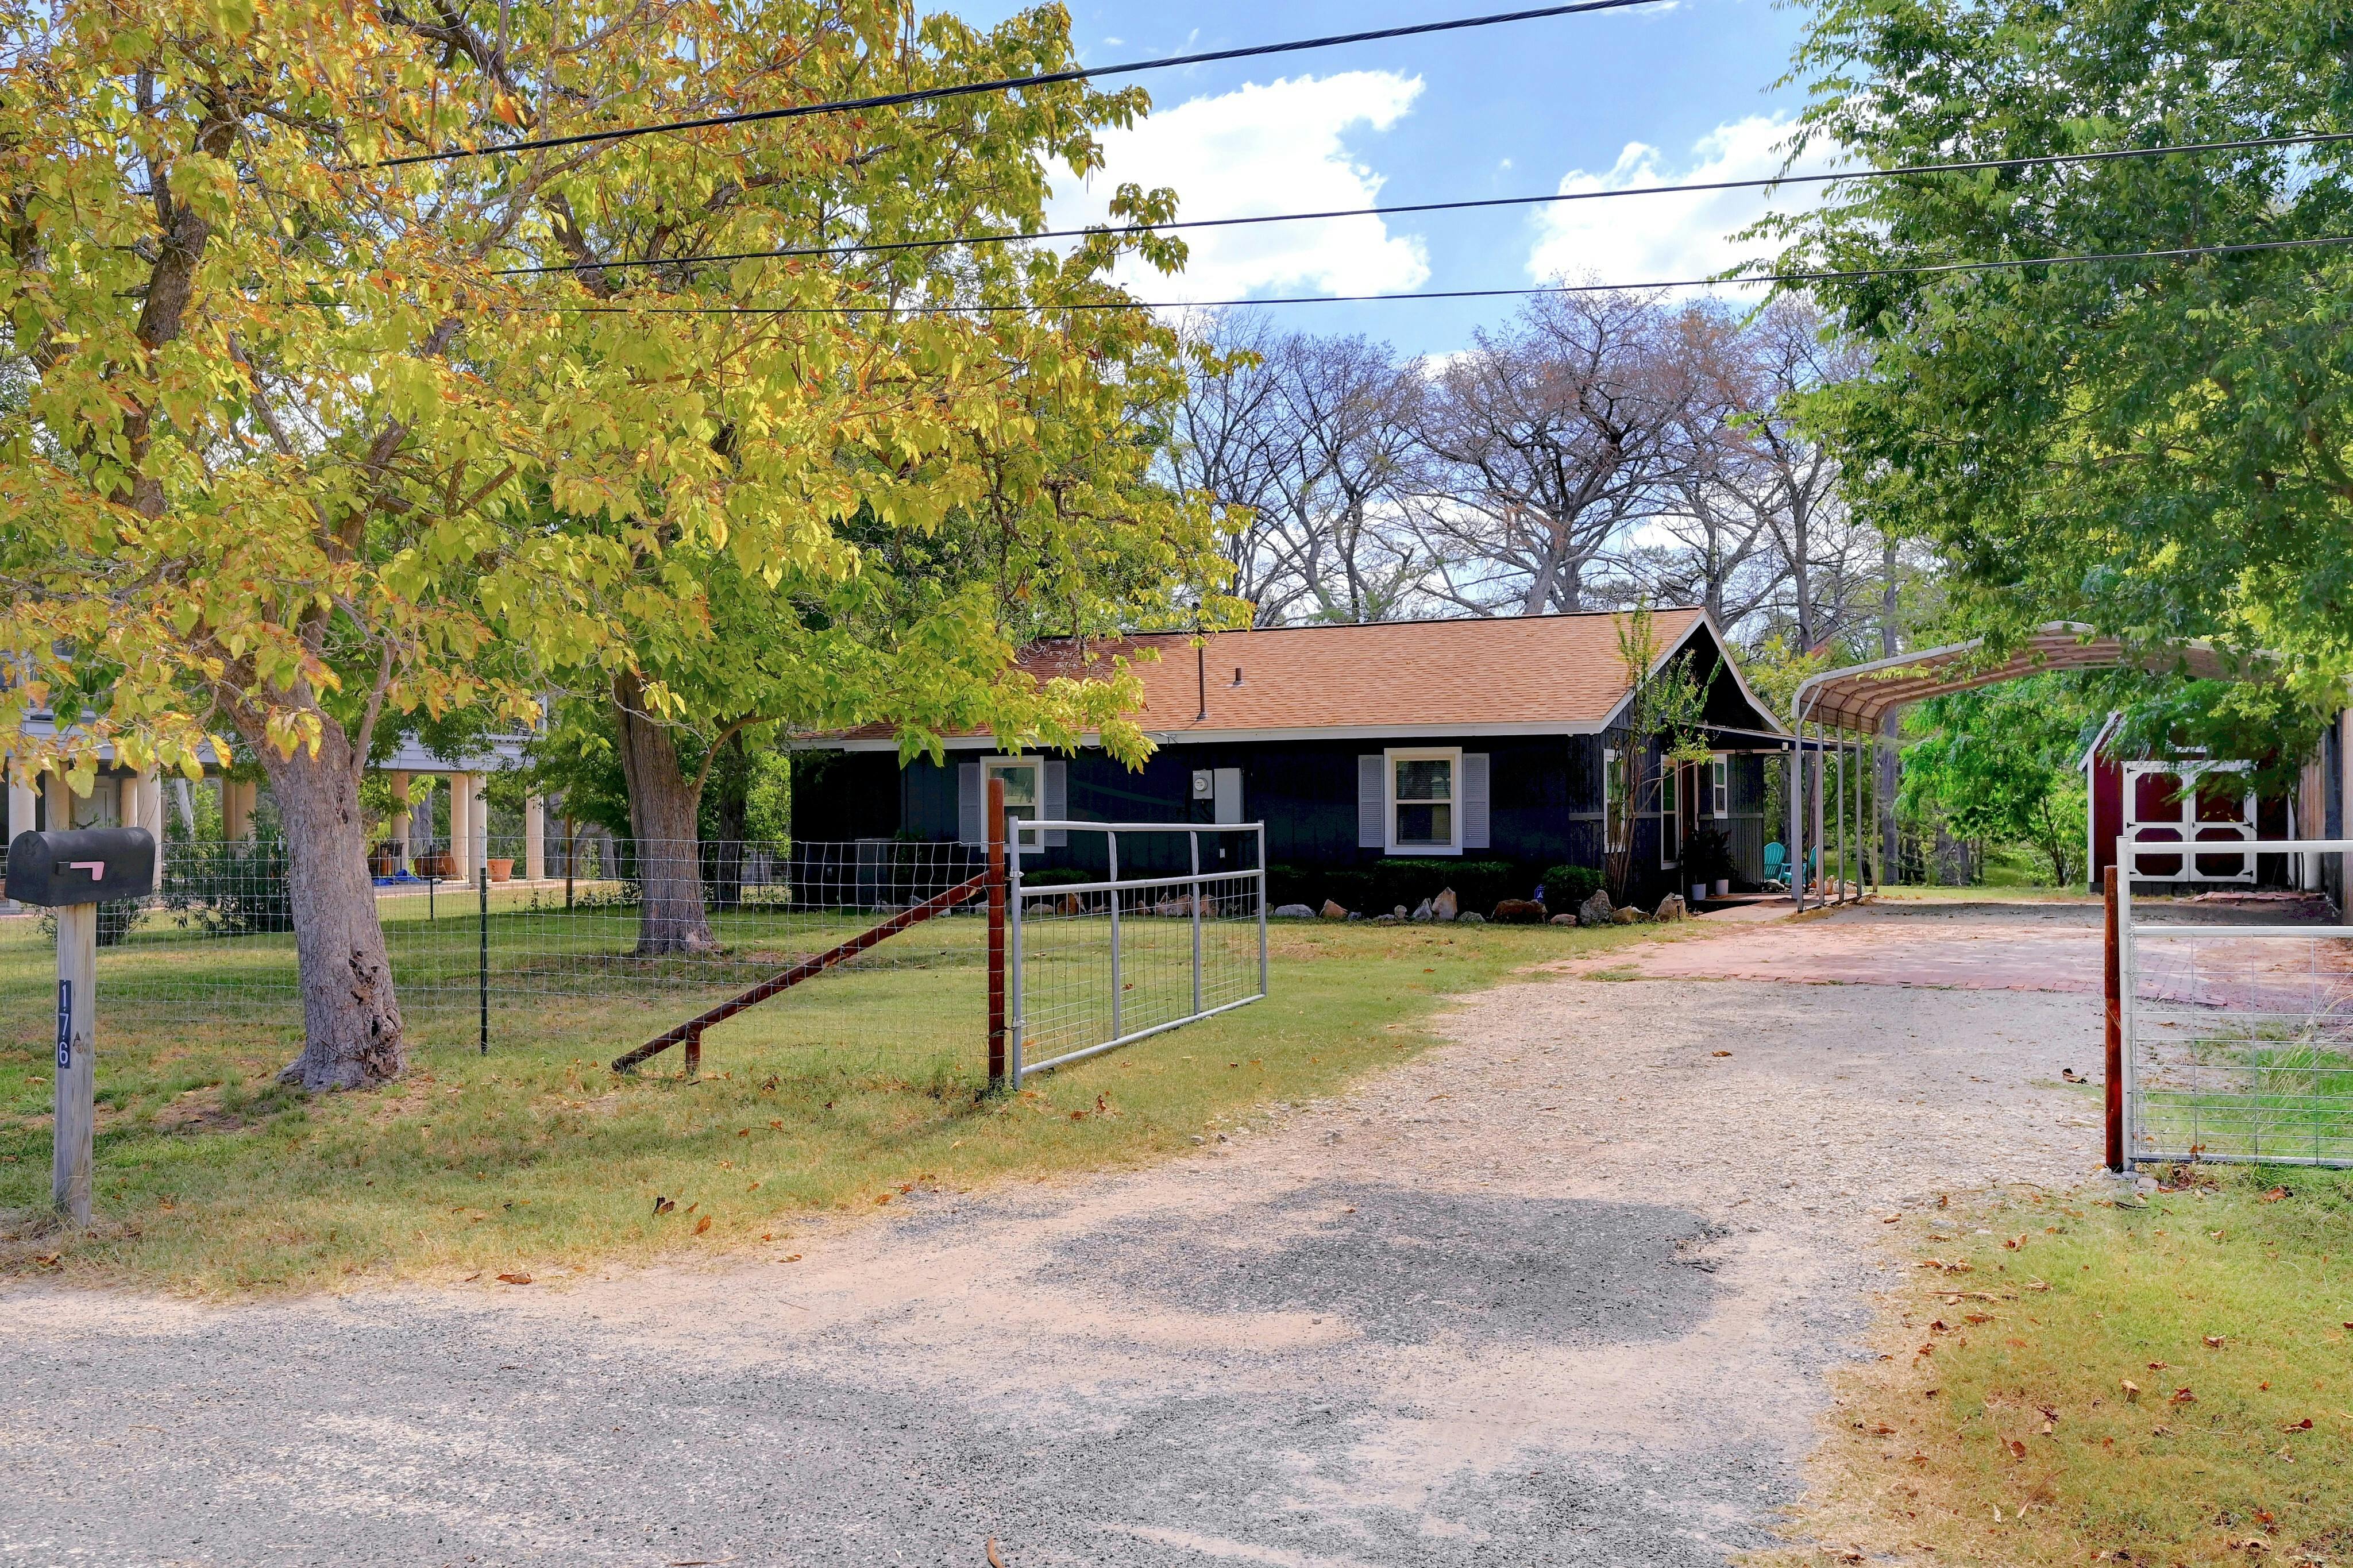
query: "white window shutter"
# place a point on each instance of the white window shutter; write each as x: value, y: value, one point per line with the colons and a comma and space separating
x: 1372, y: 802
x: 1474, y: 800
x: 1056, y: 806
x: 971, y: 812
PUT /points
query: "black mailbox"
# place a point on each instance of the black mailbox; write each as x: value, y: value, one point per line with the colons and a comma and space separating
x: 87, y: 866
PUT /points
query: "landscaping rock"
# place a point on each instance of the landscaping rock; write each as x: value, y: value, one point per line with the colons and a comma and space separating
x: 1445, y: 907
x: 1293, y: 913
x: 1672, y: 908
x: 1564, y: 919
x: 1332, y: 912
x: 1470, y: 917
x: 1397, y: 914
x: 1597, y: 910
x: 1421, y: 913
x: 1518, y: 912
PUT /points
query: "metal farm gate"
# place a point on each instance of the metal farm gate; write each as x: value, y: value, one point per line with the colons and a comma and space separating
x: 2228, y: 1040
x: 1098, y: 961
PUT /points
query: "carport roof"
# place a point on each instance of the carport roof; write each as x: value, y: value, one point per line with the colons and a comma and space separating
x: 1859, y: 696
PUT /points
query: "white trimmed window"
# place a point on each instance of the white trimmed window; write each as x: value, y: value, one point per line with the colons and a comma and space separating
x: 1022, y: 789
x: 1424, y: 801
x: 1719, y: 773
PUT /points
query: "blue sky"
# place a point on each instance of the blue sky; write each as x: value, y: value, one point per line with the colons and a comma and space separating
x: 1626, y: 97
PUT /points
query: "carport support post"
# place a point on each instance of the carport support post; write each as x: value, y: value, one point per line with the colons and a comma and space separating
x: 1796, y: 783
x: 2115, y: 975
x: 76, y: 1066
x: 994, y: 814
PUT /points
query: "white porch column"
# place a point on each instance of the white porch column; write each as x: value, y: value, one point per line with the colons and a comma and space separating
x: 535, y: 837
x: 399, y: 782
x: 479, y: 829
x: 461, y: 824
x: 239, y: 798
x: 22, y: 803
x: 146, y: 810
x: 59, y: 801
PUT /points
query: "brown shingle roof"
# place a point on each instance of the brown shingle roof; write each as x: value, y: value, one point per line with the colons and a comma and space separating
x: 1531, y: 671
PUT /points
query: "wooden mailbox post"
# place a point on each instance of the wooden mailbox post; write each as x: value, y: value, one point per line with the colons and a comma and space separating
x: 73, y: 873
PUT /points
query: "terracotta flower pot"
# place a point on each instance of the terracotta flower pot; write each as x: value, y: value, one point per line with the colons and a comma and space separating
x: 502, y: 871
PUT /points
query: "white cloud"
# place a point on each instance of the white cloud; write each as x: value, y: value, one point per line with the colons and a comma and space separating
x: 1654, y: 239
x: 1274, y: 148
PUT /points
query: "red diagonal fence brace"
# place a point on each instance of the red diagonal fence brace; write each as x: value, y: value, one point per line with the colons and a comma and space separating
x: 992, y: 882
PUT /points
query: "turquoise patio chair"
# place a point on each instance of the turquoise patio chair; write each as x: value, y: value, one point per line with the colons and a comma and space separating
x: 1776, y: 861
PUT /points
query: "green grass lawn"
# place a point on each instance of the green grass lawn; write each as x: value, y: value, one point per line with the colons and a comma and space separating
x: 843, y: 1094
x: 2084, y: 1382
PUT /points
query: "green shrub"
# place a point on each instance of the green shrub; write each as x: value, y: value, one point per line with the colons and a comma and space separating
x: 1567, y: 886
x: 229, y: 887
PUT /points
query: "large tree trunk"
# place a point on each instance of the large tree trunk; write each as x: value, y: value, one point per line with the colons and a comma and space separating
x: 352, y: 1030
x: 662, y: 809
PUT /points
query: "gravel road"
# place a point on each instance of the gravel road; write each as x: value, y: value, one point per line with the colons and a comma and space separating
x: 1560, y: 1293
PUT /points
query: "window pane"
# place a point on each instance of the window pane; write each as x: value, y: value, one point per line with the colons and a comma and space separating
x: 1020, y: 784
x: 1425, y: 825
x: 1426, y: 778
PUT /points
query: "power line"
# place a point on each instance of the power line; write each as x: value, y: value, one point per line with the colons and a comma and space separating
x: 2310, y: 139
x: 1006, y: 84
x: 2177, y: 253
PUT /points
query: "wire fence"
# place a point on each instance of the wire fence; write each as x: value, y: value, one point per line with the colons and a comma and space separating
x: 606, y: 950
x: 2238, y: 1036
x: 1175, y: 934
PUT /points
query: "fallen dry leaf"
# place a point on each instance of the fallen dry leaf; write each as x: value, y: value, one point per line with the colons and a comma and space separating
x: 2132, y: 1390
x: 1719, y: 1053
x: 2213, y: 1341
x: 993, y: 1560
x: 702, y: 1225
x: 2182, y: 1397
x: 2275, y: 1195
x: 884, y: 1197
x: 795, y: 1257
x: 2303, y: 1426
x: 663, y: 1206
x: 514, y: 1278
x: 2015, y: 1242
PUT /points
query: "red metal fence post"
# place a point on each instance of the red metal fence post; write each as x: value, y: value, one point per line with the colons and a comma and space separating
x: 994, y: 810
x: 2115, y: 1025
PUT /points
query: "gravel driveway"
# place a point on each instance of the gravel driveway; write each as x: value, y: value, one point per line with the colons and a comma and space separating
x: 1560, y: 1293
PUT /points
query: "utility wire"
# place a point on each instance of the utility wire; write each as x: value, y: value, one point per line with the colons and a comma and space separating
x: 1850, y: 274
x: 1005, y: 84
x: 879, y: 248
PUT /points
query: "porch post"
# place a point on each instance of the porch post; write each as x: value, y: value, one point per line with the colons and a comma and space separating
x: 534, y: 836
x: 399, y: 781
x: 1796, y: 785
x: 148, y: 813
x: 462, y: 825
x: 1846, y: 757
x: 1814, y: 792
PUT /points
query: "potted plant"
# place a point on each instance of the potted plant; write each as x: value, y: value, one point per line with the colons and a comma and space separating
x: 501, y: 870
x: 1707, y: 862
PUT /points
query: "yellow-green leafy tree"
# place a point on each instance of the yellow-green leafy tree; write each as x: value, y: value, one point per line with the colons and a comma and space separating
x: 304, y: 449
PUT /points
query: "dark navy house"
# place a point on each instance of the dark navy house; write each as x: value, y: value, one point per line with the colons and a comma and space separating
x: 1476, y: 738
